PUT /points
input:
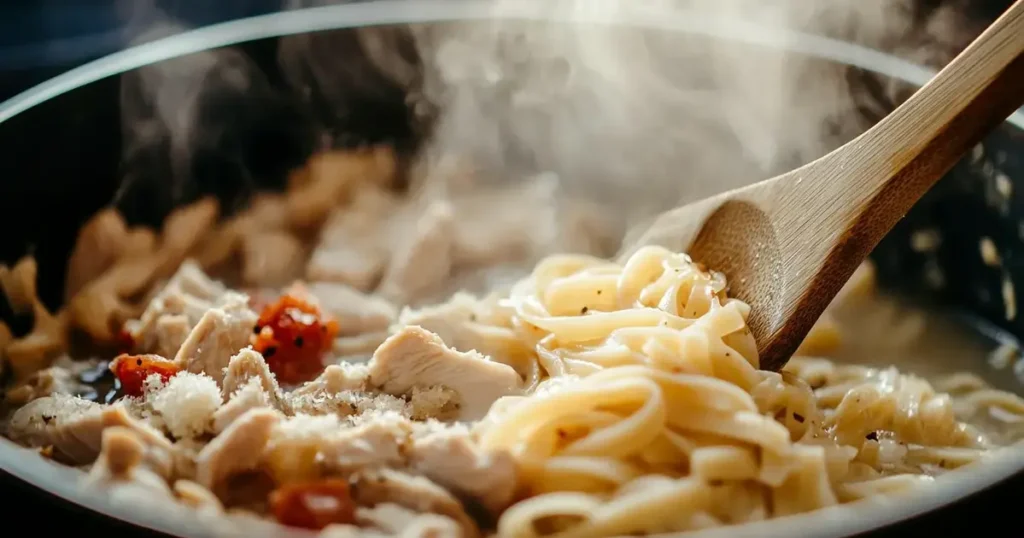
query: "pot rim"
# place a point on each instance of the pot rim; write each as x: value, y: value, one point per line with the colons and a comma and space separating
x: 844, y: 520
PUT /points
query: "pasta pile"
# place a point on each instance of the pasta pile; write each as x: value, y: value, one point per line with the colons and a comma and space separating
x: 649, y: 413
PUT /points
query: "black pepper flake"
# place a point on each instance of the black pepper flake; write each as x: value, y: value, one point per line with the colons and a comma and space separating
x: 472, y: 317
x: 299, y: 341
x: 873, y: 436
x: 257, y: 329
x: 269, y: 352
x: 47, y: 419
x: 798, y: 417
x: 584, y: 310
x: 138, y: 362
x: 599, y: 292
x: 942, y: 463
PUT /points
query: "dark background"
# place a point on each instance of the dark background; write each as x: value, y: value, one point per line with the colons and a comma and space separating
x: 40, y: 39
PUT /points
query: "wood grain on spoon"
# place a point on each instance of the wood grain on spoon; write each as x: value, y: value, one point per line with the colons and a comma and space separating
x: 788, y: 244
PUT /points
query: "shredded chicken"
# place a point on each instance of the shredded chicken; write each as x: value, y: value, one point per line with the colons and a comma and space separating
x: 415, y: 357
x: 350, y: 250
x: 272, y: 258
x: 246, y: 365
x: 218, y: 432
x: 421, y: 259
x: 357, y: 313
x: 37, y: 349
x: 413, y: 492
x: 218, y: 335
x: 238, y: 448
x: 449, y: 457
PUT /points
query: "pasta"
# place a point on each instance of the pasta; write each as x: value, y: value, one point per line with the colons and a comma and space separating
x: 671, y: 426
x: 588, y: 399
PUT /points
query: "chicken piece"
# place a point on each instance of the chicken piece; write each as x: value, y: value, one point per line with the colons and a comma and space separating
x: 182, y: 231
x: 330, y: 178
x: 376, y: 442
x: 422, y: 258
x: 335, y: 379
x: 415, y: 357
x: 73, y: 427
x: 351, y: 250
x: 416, y: 493
x: 176, y: 309
x: 237, y: 449
x: 358, y: 349
x: 448, y: 456
x: 271, y: 258
x: 396, y: 520
x: 265, y: 212
x: 120, y: 466
x: 46, y: 382
x: 252, y: 395
x: 246, y: 365
x: 37, y: 349
x: 100, y: 243
x: 219, y: 335
x: 356, y: 312
x: 463, y: 323
x: 505, y: 225
x: 197, y: 497
x: 103, y: 304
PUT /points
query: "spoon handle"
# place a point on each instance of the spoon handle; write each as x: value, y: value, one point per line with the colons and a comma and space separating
x: 889, y: 167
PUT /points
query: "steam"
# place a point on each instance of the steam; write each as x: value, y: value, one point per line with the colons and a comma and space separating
x: 654, y: 117
x: 642, y: 118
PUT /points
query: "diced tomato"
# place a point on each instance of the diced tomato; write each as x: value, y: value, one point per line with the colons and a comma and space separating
x: 313, y: 505
x: 292, y: 334
x: 132, y: 371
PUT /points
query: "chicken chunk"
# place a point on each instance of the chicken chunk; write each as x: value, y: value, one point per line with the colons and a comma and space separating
x: 219, y: 335
x: 462, y: 324
x: 271, y: 258
x: 351, y: 250
x: 504, y: 225
x: 448, y: 456
x: 176, y: 309
x: 357, y: 313
x: 413, y: 492
x: 237, y: 449
x: 415, y: 357
x: 247, y: 365
x: 422, y: 258
x: 74, y: 428
x: 252, y: 395
x: 396, y: 520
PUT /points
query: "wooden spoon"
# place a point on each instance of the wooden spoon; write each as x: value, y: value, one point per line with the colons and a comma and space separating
x: 788, y: 244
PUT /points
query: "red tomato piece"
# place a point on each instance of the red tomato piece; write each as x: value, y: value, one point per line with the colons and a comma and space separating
x: 313, y: 505
x: 293, y: 334
x: 132, y: 371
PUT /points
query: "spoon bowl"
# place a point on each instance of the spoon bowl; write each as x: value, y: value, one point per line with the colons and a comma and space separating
x: 788, y: 244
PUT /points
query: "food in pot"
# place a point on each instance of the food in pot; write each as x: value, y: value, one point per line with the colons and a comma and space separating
x: 294, y: 366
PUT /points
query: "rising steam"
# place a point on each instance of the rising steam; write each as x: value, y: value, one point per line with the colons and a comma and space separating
x: 657, y: 117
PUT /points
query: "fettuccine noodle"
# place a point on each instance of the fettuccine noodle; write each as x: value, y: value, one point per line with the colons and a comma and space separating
x: 650, y: 413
